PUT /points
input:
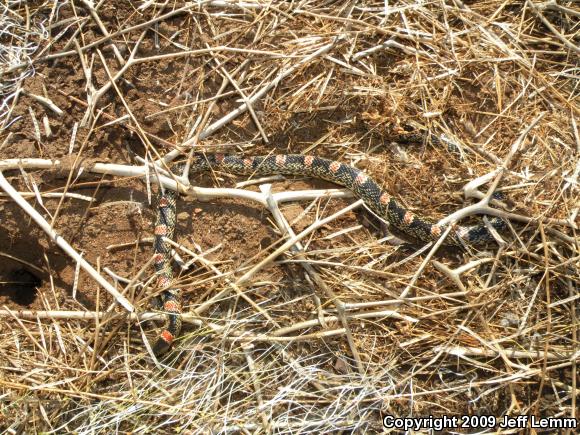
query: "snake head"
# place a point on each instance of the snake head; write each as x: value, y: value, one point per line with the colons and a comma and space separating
x: 163, y: 343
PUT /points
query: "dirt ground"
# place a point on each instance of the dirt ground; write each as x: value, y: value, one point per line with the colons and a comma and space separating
x: 356, y: 112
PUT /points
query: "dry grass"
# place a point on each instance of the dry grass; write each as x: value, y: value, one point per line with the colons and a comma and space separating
x: 344, y: 327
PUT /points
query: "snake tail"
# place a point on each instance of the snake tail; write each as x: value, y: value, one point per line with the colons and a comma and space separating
x: 170, y: 297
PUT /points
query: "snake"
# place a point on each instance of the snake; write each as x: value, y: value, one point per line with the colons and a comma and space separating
x: 378, y: 200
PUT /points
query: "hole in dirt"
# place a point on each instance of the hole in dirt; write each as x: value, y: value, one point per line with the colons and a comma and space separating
x: 20, y: 286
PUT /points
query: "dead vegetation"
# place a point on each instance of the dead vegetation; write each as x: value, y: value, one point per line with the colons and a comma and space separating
x: 302, y: 316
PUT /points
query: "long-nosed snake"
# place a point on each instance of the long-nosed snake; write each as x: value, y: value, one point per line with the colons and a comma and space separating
x: 376, y: 199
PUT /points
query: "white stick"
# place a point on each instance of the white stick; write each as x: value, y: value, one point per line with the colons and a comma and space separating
x: 63, y: 244
x: 243, y: 107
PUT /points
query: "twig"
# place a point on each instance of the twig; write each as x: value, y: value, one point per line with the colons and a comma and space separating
x: 255, y: 97
x: 63, y: 244
x: 549, y: 25
x: 45, y: 102
x: 513, y: 353
x: 319, y: 223
x: 482, y: 206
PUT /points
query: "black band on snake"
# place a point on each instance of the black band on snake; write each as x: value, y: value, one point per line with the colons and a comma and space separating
x: 376, y: 199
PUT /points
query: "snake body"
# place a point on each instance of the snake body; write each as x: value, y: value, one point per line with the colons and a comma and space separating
x: 170, y: 297
x: 375, y: 198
